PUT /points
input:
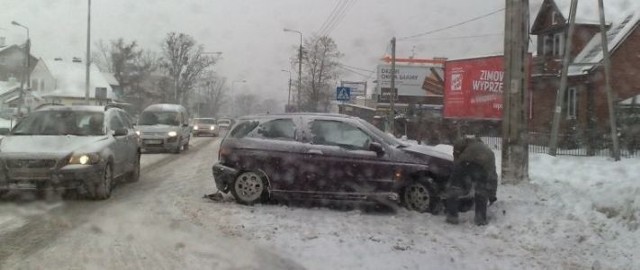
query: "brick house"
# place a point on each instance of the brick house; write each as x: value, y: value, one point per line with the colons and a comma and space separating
x: 585, y: 113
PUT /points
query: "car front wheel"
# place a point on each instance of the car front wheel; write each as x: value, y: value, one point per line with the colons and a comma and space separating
x: 420, y: 196
x: 249, y: 188
x: 104, y: 185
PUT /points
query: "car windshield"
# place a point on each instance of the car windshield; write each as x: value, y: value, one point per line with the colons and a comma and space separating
x: 80, y: 123
x: 386, y: 137
x: 150, y: 118
x: 206, y: 121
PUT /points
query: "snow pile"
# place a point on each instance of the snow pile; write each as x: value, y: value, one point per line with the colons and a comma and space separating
x: 600, y: 190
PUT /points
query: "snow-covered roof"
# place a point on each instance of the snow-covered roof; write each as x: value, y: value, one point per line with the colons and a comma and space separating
x: 70, y: 79
x: 111, y: 79
x: 592, y: 52
x: 631, y: 101
x: 587, y: 10
x: 7, y: 86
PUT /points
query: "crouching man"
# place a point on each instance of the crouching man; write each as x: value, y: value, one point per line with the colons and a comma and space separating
x: 474, y: 175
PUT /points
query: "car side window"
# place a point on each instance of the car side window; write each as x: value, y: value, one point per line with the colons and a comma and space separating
x: 278, y: 129
x: 126, y: 120
x: 327, y: 132
x: 115, y: 122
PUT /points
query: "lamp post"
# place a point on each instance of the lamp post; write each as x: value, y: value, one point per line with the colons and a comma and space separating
x: 299, y: 66
x: 27, y: 63
x: 87, y: 80
x: 289, y: 98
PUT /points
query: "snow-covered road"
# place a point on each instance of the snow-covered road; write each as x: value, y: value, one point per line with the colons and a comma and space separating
x: 577, y: 213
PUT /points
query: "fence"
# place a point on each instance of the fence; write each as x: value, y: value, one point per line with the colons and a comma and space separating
x: 538, y: 144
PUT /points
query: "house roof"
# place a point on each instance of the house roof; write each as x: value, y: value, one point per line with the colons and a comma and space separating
x: 587, y: 10
x: 591, y: 55
x: 7, y: 86
x: 635, y: 100
x: 111, y: 79
x: 70, y: 79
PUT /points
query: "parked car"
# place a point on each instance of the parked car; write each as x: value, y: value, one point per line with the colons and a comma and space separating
x: 164, y: 127
x: 84, y: 148
x: 205, y: 126
x: 328, y: 157
x: 225, y: 123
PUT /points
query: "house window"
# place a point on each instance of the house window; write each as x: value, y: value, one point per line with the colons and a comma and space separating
x: 558, y: 44
x: 554, y: 18
x: 572, y: 103
x: 547, y: 45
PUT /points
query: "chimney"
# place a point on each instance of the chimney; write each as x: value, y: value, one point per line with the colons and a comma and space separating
x: 57, y: 59
x: 77, y: 60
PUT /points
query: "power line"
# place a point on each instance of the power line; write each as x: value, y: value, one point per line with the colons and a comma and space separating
x: 356, y: 68
x: 453, y: 25
x: 465, y: 37
x: 331, y: 15
x: 349, y: 5
x: 353, y: 71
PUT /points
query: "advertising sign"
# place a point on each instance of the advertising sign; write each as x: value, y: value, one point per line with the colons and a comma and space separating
x: 473, y: 88
x: 411, y: 81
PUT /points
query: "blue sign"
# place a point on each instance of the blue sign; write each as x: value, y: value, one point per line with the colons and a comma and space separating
x: 343, y: 93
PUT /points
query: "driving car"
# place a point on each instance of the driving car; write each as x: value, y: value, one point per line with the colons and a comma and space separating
x: 205, y: 126
x: 225, y: 123
x: 327, y: 157
x: 164, y: 127
x: 81, y: 148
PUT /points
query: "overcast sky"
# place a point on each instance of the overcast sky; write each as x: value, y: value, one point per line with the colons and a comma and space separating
x: 249, y: 32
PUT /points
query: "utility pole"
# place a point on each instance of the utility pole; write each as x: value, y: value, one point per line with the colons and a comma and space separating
x: 553, y: 142
x: 515, y: 152
x: 299, y: 72
x: 392, y: 93
x: 607, y: 77
x: 87, y: 79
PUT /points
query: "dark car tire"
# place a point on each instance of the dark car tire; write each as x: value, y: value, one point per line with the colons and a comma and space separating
x: 134, y: 175
x: 249, y: 188
x: 178, y: 148
x: 420, y: 196
x: 104, y: 186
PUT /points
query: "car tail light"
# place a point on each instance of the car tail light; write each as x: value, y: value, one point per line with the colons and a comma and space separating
x: 223, y: 153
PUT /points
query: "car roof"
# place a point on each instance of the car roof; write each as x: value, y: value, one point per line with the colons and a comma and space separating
x: 165, y: 107
x: 307, y: 114
x: 84, y: 108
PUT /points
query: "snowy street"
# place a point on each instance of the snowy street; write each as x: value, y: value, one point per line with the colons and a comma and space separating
x: 577, y: 213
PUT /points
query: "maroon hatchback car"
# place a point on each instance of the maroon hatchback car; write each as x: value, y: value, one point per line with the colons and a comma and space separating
x: 328, y: 157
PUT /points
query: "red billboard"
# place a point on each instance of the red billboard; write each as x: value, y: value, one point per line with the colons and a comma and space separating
x: 473, y: 88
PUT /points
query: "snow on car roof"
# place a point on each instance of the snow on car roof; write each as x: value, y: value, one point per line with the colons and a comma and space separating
x: 89, y: 108
x: 165, y: 107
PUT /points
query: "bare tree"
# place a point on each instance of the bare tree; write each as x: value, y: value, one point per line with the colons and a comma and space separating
x: 212, y: 94
x: 245, y: 104
x: 184, y: 62
x: 320, y: 71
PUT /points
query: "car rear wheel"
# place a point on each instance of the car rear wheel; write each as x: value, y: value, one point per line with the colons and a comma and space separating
x: 420, y: 196
x: 104, y: 186
x: 249, y: 188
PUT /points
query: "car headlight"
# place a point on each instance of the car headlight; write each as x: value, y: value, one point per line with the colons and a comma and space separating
x: 172, y: 134
x: 84, y: 159
x: 195, y: 127
x: 138, y: 132
x: 212, y: 127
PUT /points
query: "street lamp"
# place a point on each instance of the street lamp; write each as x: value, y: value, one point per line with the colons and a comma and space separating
x: 299, y: 65
x: 27, y: 53
x: 289, y: 99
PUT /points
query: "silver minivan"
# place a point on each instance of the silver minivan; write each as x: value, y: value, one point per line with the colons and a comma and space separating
x: 164, y: 127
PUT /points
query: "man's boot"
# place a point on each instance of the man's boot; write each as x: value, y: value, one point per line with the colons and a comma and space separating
x: 451, y: 206
x: 481, y: 210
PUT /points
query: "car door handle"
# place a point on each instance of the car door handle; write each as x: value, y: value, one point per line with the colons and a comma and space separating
x: 315, y: 152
